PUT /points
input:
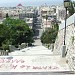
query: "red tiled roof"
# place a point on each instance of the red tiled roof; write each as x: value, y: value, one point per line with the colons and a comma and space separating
x: 19, y: 4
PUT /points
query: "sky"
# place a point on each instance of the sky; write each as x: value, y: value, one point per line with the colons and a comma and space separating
x: 11, y: 3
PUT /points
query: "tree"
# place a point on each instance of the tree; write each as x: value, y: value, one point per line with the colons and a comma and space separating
x: 3, y: 33
x: 15, y: 32
x: 71, y: 8
x: 49, y: 35
x: 7, y: 16
x: 46, y: 19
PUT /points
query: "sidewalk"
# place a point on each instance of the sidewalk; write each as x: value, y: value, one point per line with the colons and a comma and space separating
x: 34, y: 50
x: 43, y: 60
x: 38, y: 63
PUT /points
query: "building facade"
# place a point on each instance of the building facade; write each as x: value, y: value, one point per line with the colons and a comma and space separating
x: 61, y: 12
x: 48, y: 14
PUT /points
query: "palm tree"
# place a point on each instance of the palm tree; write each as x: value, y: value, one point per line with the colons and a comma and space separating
x: 46, y: 19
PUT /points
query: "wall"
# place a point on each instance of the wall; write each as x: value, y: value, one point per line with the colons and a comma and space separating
x: 70, y: 40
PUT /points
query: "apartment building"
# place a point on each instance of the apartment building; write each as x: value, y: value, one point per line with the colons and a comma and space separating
x: 60, y: 11
x: 48, y: 14
x: 19, y: 12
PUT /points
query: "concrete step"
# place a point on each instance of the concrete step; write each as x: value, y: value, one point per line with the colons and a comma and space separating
x: 34, y: 73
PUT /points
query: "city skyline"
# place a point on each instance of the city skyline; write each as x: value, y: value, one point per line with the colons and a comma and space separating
x: 11, y: 3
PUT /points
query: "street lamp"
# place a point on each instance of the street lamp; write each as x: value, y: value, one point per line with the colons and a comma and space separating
x: 66, y: 5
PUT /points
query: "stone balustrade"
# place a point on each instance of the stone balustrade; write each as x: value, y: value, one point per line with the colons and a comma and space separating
x: 3, y: 53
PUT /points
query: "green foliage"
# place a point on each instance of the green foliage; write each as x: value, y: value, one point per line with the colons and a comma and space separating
x: 49, y: 35
x: 46, y: 17
x: 15, y: 31
x: 72, y: 38
x: 5, y: 44
x: 3, y: 33
x: 71, y: 8
x: 7, y: 16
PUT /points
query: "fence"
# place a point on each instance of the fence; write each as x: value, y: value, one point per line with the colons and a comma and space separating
x: 3, y: 53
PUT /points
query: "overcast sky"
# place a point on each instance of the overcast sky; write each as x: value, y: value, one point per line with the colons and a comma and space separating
x: 7, y: 3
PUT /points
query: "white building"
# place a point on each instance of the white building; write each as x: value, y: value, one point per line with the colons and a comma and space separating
x: 61, y: 12
x: 48, y: 14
